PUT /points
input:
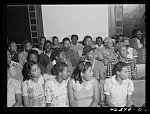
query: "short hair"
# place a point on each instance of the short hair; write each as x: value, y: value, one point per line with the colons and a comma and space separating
x: 118, y: 67
x: 134, y: 31
x: 42, y: 37
x: 26, y: 71
x: 25, y: 42
x: 74, y: 35
x: 32, y: 52
x: 10, y: 42
x: 85, y: 38
x: 54, y: 37
x: 65, y: 39
x: 57, y: 52
x: 58, y: 67
x: 47, y: 41
x: 100, y: 38
x: 82, y: 66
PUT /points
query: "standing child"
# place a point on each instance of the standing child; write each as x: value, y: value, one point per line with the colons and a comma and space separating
x: 14, y: 97
x: 83, y: 88
x: 119, y: 88
x: 33, y: 85
x: 56, y: 87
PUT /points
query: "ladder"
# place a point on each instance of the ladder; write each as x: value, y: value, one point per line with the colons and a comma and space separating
x: 33, y: 24
x: 118, y: 11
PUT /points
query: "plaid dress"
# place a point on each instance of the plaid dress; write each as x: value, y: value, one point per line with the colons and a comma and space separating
x: 131, y: 67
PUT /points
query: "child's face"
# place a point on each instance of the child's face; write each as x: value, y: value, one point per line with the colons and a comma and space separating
x: 99, y: 41
x: 28, y: 46
x: 55, y: 41
x: 33, y: 57
x: 35, y: 71
x: 90, y: 55
x: 47, y: 46
x: 126, y: 42
x: 88, y: 41
x: 123, y: 52
x: 62, y: 57
x: 88, y: 74
x: 67, y: 44
x: 139, y: 34
x: 74, y: 40
x: 65, y: 73
x: 13, y: 46
x: 124, y: 73
x: 42, y: 41
x: 110, y: 44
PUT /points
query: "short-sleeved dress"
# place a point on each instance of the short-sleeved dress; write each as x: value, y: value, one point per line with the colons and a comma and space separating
x: 83, y: 95
x: 35, y: 92
x: 118, y: 92
x: 13, y: 87
x: 56, y: 93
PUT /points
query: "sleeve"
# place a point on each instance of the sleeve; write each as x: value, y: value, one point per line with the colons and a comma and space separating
x: 41, y: 80
x: 18, y: 87
x: 130, y: 88
x: 48, y: 92
x: 107, y: 86
x: 135, y: 53
x: 24, y: 89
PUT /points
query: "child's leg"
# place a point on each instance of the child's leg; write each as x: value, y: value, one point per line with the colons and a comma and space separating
x: 102, y: 79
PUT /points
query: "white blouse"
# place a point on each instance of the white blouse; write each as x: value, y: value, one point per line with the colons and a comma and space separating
x: 118, y: 92
x: 56, y: 93
x: 35, y: 91
x: 13, y: 87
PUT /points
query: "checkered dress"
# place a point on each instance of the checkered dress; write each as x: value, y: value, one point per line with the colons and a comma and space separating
x: 131, y: 67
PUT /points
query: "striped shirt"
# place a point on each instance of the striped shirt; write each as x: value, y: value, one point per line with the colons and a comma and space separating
x: 131, y: 67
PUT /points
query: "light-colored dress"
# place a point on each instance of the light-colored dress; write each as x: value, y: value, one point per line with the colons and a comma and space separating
x: 56, y: 93
x: 35, y: 92
x: 13, y: 87
x: 118, y: 92
x: 83, y: 94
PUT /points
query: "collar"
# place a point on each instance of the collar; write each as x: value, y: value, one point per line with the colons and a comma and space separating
x: 115, y: 81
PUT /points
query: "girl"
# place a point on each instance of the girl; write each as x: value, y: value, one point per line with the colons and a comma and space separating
x: 119, y: 88
x: 14, y: 98
x: 83, y: 89
x: 33, y: 56
x: 33, y: 85
x: 56, y: 87
x: 59, y: 57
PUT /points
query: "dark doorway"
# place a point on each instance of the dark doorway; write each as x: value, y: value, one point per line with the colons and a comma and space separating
x: 18, y: 27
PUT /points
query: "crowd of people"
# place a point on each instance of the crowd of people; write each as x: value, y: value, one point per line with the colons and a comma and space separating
x: 73, y: 74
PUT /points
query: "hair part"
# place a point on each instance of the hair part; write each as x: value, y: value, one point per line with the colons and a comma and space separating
x: 82, y: 67
x: 58, y: 67
x: 26, y: 71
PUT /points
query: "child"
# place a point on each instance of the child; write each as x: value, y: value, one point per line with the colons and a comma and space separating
x: 83, y: 88
x: 14, y: 97
x: 99, y: 42
x: 78, y: 47
x: 44, y: 58
x: 59, y: 57
x: 13, y: 50
x: 55, y: 42
x: 33, y: 56
x: 56, y: 87
x: 33, y: 85
x: 23, y: 55
x: 119, y: 88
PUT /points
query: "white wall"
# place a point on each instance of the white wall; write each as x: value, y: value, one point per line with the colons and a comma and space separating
x: 65, y: 20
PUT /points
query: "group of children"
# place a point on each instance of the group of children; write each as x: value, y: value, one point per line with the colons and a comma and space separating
x: 71, y: 74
